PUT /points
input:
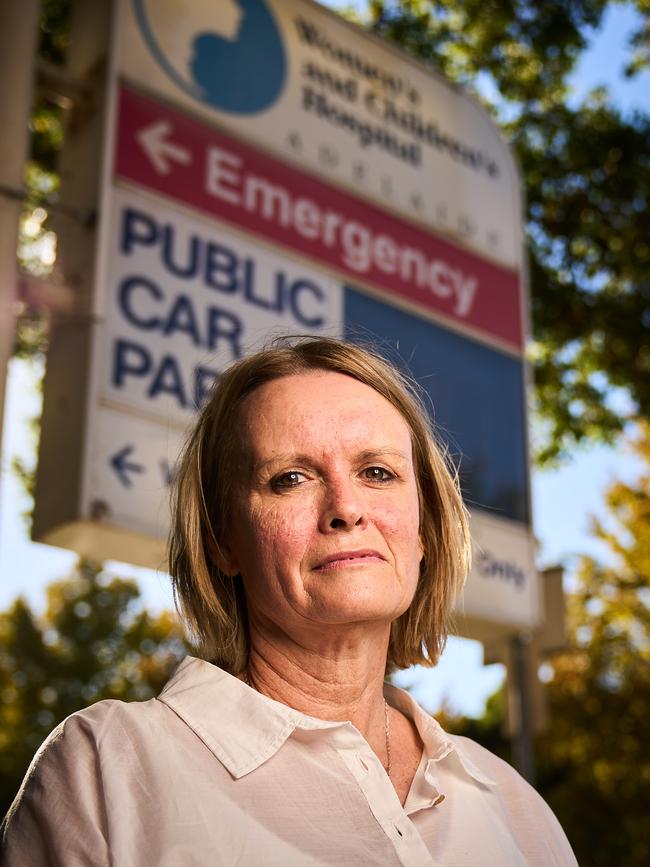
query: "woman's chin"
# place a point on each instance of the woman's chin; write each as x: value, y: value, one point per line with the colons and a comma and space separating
x: 355, y: 598
x: 351, y: 610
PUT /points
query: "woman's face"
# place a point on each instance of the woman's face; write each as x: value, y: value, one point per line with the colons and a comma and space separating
x: 325, y: 527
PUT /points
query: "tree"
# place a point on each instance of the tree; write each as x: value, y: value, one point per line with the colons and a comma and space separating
x: 487, y: 730
x: 92, y: 643
x: 593, y: 761
x: 36, y: 241
x: 586, y: 173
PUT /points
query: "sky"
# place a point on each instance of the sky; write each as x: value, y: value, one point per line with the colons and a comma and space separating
x: 563, y: 499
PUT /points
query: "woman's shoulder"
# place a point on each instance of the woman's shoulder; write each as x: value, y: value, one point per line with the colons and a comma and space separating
x: 107, y: 727
x: 102, y: 714
x: 506, y: 779
x: 98, y: 718
x: 488, y: 762
x: 112, y: 726
x: 532, y: 820
x: 84, y: 736
x: 87, y: 751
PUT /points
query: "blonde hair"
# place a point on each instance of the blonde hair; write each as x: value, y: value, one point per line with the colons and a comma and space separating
x: 212, y: 602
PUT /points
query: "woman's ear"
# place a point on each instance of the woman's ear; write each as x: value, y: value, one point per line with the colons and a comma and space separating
x: 223, y: 558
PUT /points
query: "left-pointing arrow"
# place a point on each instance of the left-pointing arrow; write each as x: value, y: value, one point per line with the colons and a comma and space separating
x: 124, y: 467
x: 153, y: 140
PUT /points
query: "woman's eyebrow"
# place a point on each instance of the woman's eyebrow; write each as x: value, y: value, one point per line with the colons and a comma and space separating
x: 287, y: 460
x: 385, y: 451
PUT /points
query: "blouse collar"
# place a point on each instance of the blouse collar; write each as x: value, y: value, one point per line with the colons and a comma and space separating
x: 244, y: 728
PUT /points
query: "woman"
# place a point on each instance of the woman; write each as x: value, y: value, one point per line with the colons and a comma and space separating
x: 318, y: 541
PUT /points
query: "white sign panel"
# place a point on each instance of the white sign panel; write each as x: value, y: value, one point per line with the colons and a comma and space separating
x: 503, y: 587
x: 130, y: 469
x: 298, y: 80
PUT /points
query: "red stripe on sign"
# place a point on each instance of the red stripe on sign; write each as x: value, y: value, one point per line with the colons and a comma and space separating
x: 173, y: 154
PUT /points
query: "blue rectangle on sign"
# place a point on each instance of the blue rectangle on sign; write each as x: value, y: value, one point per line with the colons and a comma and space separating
x: 477, y: 394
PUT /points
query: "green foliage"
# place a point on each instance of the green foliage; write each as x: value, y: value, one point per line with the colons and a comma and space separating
x: 55, y: 30
x: 486, y: 729
x: 36, y: 241
x: 31, y: 339
x: 48, y: 111
x: 36, y: 255
x: 586, y: 174
x: 36, y: 251
x: 640, y: 42
x: 527, y: 48
x: 36, y: 244
x: 588, y: 183
x: 594, y: 760
x: 92, y: 643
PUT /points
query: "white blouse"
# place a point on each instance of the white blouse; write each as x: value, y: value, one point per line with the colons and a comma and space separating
x: 213, y: 773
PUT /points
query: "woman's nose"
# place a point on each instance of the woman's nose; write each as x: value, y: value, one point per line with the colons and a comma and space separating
x: 343, y: 507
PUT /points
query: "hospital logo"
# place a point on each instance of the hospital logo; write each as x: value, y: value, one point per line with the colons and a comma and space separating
x: 228, y: 54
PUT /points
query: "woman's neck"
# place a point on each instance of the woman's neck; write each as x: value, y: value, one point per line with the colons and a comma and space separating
x: 338, y: 679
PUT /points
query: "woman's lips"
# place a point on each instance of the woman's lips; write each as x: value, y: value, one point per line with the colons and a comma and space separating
x: 343, y: 559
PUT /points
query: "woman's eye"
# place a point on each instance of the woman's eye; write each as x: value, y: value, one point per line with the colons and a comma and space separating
x: 287, y: 480
x: 378, y: 474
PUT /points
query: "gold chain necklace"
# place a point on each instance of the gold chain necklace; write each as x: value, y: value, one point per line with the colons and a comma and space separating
x: 387, y: 766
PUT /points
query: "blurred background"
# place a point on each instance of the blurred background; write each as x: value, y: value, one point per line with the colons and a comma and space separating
x: 569, y: 86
